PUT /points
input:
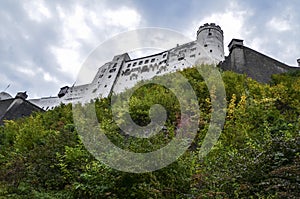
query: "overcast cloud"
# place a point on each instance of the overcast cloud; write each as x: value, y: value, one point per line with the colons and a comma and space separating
x: 44, y: 43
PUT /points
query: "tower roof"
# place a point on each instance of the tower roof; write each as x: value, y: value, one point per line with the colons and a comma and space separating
x: 4, y: 96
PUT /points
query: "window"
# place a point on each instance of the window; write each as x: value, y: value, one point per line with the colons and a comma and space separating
x: 141, y: 62
x: 193, y: 49
x: 105, y: 86
x: 205, y: 45
x: 112, y: 70
x: 134, y: 64
x: 128, y: 65
x: 147, y: 61
x: 152, y: 60
x: 209, y: 34
x: 109, y: 76
x: 115, y: 65
x: 164, y: 55
x: 182, y: 51
x: 193, y: 55
x: 210, y: 51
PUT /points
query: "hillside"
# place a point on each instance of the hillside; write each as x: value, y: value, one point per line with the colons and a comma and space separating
x: 256, y: 156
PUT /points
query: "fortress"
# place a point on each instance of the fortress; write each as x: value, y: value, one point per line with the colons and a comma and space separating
x: 122, y: 72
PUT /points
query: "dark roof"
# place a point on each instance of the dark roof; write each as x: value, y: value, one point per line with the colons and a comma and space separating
x: 16, y: 108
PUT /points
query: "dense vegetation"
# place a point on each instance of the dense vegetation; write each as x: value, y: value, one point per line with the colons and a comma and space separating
x: 256, y: 156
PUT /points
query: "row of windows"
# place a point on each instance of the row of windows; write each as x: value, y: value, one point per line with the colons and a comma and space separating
x: 205, y: 45
x: 145, y: 68
x: 77, y: 90
x: 141, y: 62
x: 144, y: 62
x: 48, y: 108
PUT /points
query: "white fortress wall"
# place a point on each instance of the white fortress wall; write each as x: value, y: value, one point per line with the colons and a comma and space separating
x: 46, y: 103
x: 122, y: 73
x: 139, y: 69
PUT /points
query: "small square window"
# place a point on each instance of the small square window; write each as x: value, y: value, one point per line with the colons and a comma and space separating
x: 141, y: 62
x: 152, y: 60
x: 205, y: 45
x: 147, y: 61
x: 128, y: 65
x: 134, y: 64
x: 210, y: 51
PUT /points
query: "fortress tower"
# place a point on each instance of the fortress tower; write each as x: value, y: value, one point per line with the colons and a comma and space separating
x: 210, y: 37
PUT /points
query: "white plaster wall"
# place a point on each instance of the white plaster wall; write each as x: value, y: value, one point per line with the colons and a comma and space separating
x: 136, y: 70
x: 46, y: 103
x: 122, y: 73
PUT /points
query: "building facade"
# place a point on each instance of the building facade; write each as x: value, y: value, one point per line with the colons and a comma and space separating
x: 122, y: 72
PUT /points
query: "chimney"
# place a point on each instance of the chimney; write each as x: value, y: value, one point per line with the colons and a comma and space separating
x: 298, y: 60
x: 21, y: 95
x: 235, y: 43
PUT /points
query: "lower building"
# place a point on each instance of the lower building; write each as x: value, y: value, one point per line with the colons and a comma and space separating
x: 15, y: 108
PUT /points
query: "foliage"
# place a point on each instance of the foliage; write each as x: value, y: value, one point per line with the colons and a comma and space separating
x: 256, y: 156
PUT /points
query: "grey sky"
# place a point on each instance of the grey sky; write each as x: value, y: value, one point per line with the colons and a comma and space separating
x: 44, y: 43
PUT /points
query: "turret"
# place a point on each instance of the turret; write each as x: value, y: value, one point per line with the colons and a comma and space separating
x: 22, y: 95
x: 63, y: 91
x: 235, y: 43
x: 210, y: 37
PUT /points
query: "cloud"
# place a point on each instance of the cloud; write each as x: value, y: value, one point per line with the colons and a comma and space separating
x: 279, y: 25
x: 122, y: 17
x: 44, y: 43
x: 231, y: 19
x: 37, y: 11
x: 275, y: 31
x: 82, y: 26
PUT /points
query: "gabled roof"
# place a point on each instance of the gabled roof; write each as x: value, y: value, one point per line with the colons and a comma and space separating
x: 16, y: 108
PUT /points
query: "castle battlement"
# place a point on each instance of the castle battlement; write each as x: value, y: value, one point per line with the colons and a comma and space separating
x: 210, y: 26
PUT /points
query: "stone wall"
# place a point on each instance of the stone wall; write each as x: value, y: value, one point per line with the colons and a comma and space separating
x: 258, y: 66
